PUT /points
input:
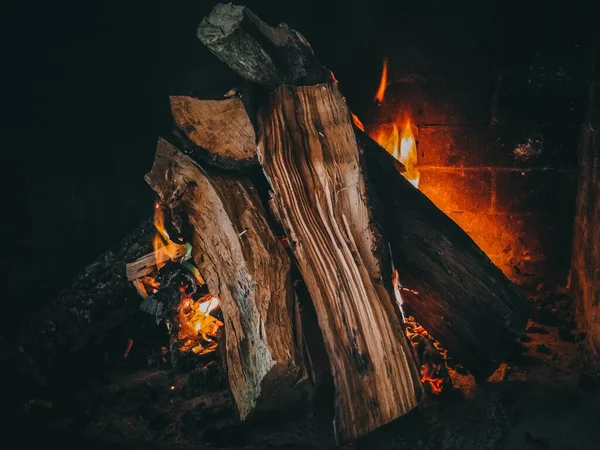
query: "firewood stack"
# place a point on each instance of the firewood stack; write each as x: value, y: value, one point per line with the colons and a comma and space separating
x: 350, y: 219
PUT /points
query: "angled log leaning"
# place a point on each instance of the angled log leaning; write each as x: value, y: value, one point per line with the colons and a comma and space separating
x: 244, y: 266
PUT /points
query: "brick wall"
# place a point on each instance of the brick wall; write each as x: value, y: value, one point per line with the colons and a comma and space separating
x: 585, y: 270
x: 497, y: 142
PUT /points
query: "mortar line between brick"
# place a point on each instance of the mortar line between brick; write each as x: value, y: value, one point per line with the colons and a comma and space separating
x: 497, y: 169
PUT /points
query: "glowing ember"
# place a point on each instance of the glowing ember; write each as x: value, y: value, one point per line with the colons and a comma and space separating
x: 432, y: 374
x: 382, y: 83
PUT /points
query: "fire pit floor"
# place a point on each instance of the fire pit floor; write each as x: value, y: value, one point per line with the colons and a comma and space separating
x: 537, y: 400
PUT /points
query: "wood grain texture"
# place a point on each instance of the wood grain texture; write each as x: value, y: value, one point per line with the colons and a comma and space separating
x: 309, y: 153
x: 454, y: 291
x: 243, y: 265
x: 218, y: 132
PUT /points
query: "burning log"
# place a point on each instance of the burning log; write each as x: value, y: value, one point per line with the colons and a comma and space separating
x: 309, y: 153
x: 100, y: 299
x: 217, y: 132
x: 451, y: 287
x: 244, y: 266
x: 463, y: 300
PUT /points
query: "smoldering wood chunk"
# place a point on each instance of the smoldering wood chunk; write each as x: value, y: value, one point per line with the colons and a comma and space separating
x: 309, y: 153
x: 99, y: 299
x: 453, y: 289
x: 264, y: 55
x: 244, y: 266
x: 218, y: 132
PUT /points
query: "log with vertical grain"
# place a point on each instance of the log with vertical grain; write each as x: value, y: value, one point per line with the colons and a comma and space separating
x: 460, y: 291
x: 310, y: 156
x: 218, y: 132
x: 243, y: 265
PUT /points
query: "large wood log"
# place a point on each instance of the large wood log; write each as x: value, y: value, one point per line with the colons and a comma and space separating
x: 479, y: 291
x: 309, y: 153
x: 243, y: 265
x: 99, y: 299
x: 451, y: 287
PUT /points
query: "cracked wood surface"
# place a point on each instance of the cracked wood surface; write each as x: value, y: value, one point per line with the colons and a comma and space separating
x: 245, y: 266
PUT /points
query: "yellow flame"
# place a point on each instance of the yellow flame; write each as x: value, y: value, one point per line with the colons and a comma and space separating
x: 382, y: 83
x: 163, y: 248
x: 196, y: 327
x: 400, y: 145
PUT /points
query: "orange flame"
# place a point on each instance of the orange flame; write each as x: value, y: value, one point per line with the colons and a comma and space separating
x: 400, y: 145
x: 382, y: 83
x: 357, y: 122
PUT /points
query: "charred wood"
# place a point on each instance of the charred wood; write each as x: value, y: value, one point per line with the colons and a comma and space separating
x: 99, y: 299
x: 449, y: 285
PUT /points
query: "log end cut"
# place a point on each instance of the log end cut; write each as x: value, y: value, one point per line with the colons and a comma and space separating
x: 218, y: 132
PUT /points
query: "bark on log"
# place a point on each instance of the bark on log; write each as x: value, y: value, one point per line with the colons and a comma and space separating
x: 266, y: 56
x: 309, y: 153
x: 244, y: 266
x: 452, y: 288
x: 99, y: 299
x: 468, y: 272
x: 218, y: 132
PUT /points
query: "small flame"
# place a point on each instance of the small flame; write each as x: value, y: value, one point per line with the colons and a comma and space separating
x: 357, y: 122
x: 161, y: 243
x: 382, y: 83
x: 196, y: 327
x: 401, y: 146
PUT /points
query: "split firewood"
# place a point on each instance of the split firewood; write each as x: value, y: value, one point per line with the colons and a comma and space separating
x: 218, y: 132
x: 148, y: 263
x: 309, y: 153
x: 449, y: 284
x: 459, y: 296
x: 245, y: 267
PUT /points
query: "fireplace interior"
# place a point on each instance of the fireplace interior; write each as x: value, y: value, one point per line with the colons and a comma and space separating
x: 223, y: 319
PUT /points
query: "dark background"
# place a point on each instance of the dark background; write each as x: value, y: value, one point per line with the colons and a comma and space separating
x: 86, y: 88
